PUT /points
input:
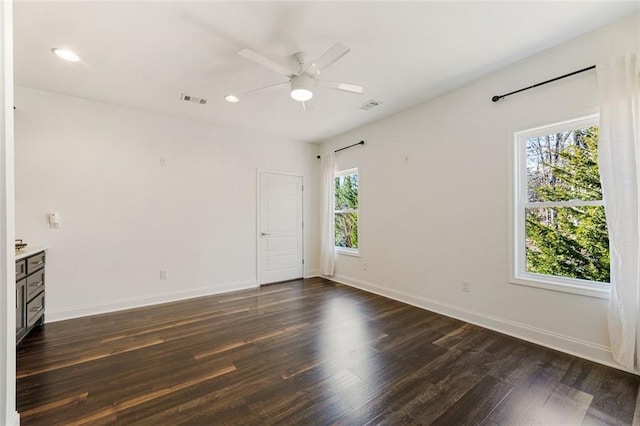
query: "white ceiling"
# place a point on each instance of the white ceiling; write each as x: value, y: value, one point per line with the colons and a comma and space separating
x: 145, y: 54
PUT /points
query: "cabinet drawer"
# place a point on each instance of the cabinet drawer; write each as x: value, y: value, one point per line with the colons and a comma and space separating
x: 35, y: 283
x: 21, y: 269
x: 35, y: 262
x: 35, y: 309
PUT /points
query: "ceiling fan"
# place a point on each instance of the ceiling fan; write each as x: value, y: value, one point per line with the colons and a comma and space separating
x: 302, y: 82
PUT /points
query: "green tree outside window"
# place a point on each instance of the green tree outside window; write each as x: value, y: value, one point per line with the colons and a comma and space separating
x: 346, y: 211
x: 568, y: 241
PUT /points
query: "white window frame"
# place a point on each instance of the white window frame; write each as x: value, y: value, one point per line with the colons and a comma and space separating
x: 346, y: 250
x: 519, y: 274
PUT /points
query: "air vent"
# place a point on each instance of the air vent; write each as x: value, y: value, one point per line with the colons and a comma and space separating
x: 371, y: 103
x: 193, y: 99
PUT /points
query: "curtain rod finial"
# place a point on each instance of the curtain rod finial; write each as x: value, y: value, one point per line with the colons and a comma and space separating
x: 496, y: 98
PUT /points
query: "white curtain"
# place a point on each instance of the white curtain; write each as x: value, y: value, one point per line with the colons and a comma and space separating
x: 327, y: 236
x: 619, y: 161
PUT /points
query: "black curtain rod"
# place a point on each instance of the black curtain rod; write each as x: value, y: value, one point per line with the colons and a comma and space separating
x: 497, y: 98
x: 347, y: 147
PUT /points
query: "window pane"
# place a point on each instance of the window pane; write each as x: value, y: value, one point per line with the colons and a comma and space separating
x: 346, y: 192
x: 569, y: 242
x: 564, y: 166
x: 347, y: 230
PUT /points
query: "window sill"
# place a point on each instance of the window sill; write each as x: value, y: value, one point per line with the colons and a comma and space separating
x: 582, y: 290
x: 347, y: 252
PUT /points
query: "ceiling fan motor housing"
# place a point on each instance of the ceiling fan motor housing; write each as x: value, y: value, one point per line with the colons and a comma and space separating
x: 301, y: 86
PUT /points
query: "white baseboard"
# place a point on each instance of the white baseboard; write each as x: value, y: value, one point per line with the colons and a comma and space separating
x: 560, y: 342
x: 13, y: 418
x: 138, y: 302
x: 312, y: 273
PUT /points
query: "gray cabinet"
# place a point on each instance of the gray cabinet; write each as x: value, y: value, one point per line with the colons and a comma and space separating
x: 21, y: 269
x: 30, y: 279
x: 21, y: 304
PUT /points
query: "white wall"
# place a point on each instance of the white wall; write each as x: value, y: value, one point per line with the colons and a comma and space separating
x: 124, y: 217
x: 443, y: 218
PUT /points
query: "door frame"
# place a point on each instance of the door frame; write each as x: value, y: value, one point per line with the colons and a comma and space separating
x: 8, y: 413
x: 259, y: 173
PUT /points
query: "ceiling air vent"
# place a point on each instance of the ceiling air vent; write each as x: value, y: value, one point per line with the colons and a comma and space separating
x: 371, y: 103
x: 193, y: 99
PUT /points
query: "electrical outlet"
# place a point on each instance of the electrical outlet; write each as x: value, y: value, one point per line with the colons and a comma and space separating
x: 364, y: 265
x: 466, y: 287
x: 164, y: 274
x: 163, y: 162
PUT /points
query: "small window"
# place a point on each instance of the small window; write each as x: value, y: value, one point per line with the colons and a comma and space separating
x: 561, y: 239
x: 346, y: 211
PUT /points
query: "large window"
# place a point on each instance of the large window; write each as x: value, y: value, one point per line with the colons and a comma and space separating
x: 346, y: 211
x: 561, y: 240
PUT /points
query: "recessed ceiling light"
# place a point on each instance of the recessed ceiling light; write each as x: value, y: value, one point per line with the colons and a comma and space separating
x: 232, y: 98
x: 66, y: 54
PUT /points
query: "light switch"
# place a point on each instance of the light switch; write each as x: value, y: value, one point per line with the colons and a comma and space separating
x: 54, y: 220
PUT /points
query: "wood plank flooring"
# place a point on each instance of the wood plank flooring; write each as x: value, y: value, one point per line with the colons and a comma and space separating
x: 304, y: 352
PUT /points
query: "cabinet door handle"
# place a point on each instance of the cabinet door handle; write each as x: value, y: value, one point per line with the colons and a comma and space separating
x: 38, y: 284
x: 40, y: 262
x: 263, y: 234
x: 38, y: 309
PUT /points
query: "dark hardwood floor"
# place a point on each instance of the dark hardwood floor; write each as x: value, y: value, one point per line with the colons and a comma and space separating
x: 304, y: 352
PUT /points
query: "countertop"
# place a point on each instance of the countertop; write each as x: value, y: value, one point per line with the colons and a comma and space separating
x: 28, y: 251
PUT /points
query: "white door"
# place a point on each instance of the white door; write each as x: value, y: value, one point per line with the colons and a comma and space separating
x: 280, y: 228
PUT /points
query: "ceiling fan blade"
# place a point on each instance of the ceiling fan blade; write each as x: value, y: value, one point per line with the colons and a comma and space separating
x: 268, y: 88
x: 351, y: 88
x: 261, y: 60
x: 328, y: 58
x: 307, y: 105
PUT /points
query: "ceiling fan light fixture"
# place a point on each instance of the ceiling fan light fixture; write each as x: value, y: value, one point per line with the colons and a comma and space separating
x: 301, y: 95
x: 301, y: 88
